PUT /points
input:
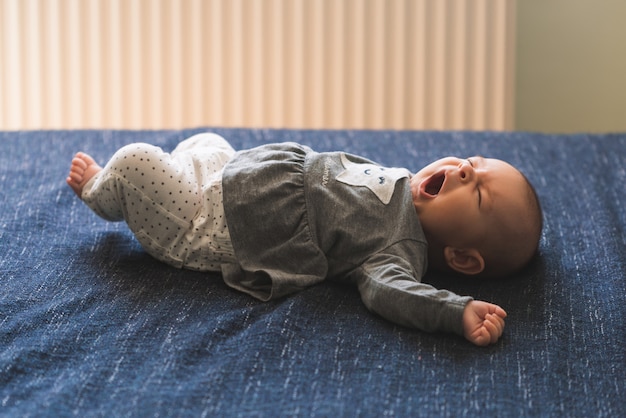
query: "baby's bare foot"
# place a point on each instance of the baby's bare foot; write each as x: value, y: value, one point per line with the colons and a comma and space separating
x: 82, y: 170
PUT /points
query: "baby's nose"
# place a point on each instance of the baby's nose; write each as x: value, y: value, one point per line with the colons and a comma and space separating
x: 466, y: 171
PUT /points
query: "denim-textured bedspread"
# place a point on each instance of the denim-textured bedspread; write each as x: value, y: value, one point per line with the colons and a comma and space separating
x: 92, y: 326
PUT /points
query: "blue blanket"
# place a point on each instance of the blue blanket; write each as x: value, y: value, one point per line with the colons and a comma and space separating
x: 92, y: 326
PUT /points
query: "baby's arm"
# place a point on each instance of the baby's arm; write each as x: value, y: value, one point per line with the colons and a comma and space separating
x: 483, y: 322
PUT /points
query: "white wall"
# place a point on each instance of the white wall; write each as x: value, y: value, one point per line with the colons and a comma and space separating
x: 571, y: 66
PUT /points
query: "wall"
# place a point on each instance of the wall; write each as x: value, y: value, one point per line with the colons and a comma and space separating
x: 571, y: 66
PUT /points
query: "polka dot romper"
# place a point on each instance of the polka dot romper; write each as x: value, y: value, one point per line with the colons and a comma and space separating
x: 171, y: 202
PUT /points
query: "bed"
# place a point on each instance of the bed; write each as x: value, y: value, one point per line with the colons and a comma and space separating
x: 92, y: 326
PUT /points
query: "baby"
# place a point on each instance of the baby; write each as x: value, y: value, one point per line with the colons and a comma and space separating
x: 281, y: 217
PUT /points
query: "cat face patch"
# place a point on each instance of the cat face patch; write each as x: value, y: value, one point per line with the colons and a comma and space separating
x: 380, y: 180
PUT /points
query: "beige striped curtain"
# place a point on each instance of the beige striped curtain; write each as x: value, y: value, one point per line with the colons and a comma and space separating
x: 403, y: 64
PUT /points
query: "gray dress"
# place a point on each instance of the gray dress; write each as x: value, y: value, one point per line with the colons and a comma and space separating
x: 297, y: 217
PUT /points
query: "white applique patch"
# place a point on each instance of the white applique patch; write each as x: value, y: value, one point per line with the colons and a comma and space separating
x: 380, y: 180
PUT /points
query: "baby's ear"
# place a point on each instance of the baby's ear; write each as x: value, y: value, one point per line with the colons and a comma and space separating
x: 466, y: 261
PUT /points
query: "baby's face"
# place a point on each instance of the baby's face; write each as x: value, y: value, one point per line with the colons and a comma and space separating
x: 461, y: 201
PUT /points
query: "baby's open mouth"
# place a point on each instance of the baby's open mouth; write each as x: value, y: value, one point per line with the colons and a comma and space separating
x: 434, y: 183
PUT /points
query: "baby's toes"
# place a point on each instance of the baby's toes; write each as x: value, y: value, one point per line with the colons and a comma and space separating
x: 75, y: 176
x: 77, y: 171
x: 79, y: 163
x: 86, y: 158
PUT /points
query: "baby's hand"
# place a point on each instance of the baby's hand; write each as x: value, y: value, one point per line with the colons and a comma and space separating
x: 483, y: 322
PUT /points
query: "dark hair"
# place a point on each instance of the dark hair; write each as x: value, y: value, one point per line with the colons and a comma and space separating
x: 503, y: 258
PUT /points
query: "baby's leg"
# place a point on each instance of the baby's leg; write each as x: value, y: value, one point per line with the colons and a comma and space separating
x: 209, y: 142
x: 207, y: 152
x: 156, y: 194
